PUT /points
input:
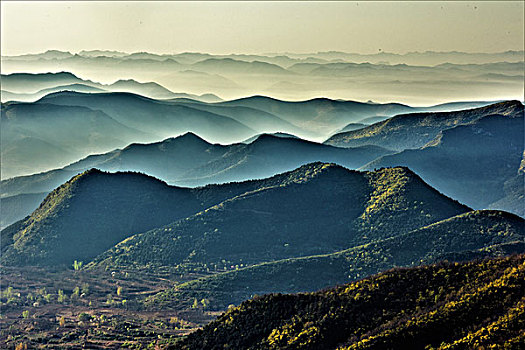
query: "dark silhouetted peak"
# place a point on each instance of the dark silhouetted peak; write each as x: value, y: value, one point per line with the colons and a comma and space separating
x: 188, y: 139
x: 273, y: 137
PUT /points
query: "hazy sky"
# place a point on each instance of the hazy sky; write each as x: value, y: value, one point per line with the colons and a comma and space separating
x: 258, y: 27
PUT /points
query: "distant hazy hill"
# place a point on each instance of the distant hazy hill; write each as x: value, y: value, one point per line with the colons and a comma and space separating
x: 416, y: 129
x: 254, y: 118
x: 411, y: 78
x: 154, y: 90
x: 37, y: 137
x: 320, y: 114
x: 429, y: 58
x: 471, y: 235
x: 320, y: 208
x: 31, y: 97
x: 445, y: 306
x: 66, y: 126
x: 161, y: 118
x: 17, y: 207
x: 26, y: 87
x: 229, y: 65
x: 34, y: 82
x: 477, y: 163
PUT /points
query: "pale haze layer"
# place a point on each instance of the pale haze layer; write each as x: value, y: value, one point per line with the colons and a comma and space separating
x: 259, y: 27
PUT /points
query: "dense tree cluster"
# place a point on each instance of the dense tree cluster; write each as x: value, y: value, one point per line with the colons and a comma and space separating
x: 445, y: 306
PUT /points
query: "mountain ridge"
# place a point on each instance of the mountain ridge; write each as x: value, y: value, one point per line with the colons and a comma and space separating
x: 395, y: 132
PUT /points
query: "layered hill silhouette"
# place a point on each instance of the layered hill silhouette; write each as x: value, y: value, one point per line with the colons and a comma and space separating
x: 37, y: 137
x: 312, y: 118
x: 320, y: 114
x: 230, y: 65
x: 414, y: 130
x: 31, y: 97
x: 445, y: 306
x: 477, y: 163
x: 34, y: 82
x: 66, y: 126
x: 162, y: 118
x: 29, y: 87
x: 318, y: 208
x: 189, y: 160
x: 289, y: 76
x: 475, y: 234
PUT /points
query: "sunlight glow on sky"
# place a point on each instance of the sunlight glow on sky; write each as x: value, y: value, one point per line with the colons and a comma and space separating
x: 261, y: 27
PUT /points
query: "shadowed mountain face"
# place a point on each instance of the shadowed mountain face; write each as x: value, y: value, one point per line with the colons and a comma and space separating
x: 440, y: 306
x: 477, y: 163
x: 320, y: 208
x: 317, y: 208
x: 475, y: 234
x: 417, y: 129
x: 95, y: 210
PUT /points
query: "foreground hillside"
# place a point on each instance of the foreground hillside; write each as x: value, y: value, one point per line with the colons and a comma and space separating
x: 445, y: 306
x: 476, y: 234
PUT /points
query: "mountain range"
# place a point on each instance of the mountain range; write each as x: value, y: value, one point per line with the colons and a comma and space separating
x: 385, y: 224
x: 117, y: 119
x: 414, y: 78
x: 414, y: 130
x: 471, y: 161
x: 24, y: 87
x: 319, y: 208
x: 477, y: 162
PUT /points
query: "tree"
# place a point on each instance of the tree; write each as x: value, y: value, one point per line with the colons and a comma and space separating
x: 61, y: 296
x: 77, y: 265
x: 84, y: 317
